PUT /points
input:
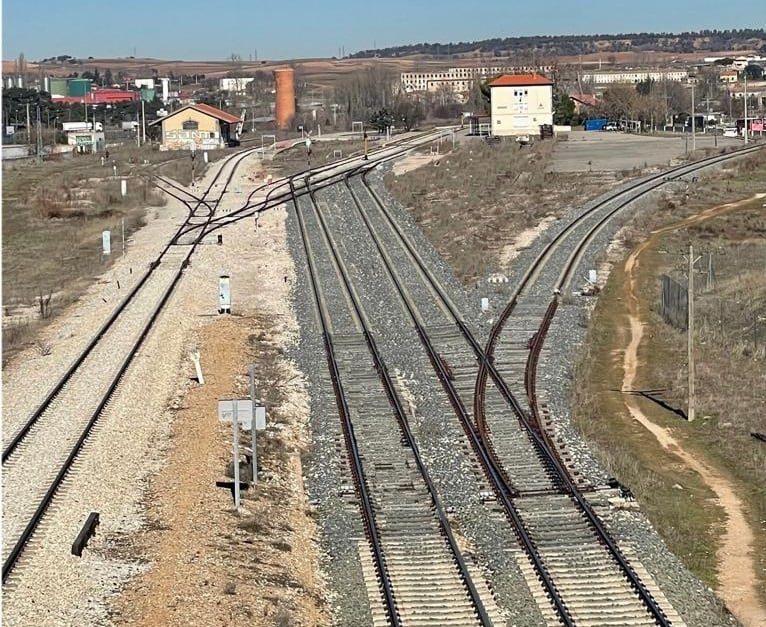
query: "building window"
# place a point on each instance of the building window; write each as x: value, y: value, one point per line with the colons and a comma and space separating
x: 190, y: 125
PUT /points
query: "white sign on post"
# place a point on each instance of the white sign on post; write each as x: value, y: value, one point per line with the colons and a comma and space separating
x: 106, y: 242
x: 244, y: 409
x: 244, y: 412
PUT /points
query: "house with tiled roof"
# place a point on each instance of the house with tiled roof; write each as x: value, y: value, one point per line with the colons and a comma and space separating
x: 196, y: 127
x: 520, y: 104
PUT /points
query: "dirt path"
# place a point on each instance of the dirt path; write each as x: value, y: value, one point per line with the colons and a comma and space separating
x: 737, y: 584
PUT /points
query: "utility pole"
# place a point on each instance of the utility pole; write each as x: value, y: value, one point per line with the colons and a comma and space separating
x: 29, y: 134
x: 254, y: 461
x: 38, y: 128
x: 690, y: 336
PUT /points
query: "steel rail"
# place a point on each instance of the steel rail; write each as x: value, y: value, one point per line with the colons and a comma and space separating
x: 47, y: 499
x: 649, y: 184
x: 404, y: 423
x: 492, y: 469
x: 357, y: 468
x: 400, y: 146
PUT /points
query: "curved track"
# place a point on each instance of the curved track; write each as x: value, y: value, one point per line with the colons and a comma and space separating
x: 550, y: 488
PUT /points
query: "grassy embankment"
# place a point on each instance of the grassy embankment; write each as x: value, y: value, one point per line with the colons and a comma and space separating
x: 53, y: 216
x: 478, y: 197
x: 730, y: 343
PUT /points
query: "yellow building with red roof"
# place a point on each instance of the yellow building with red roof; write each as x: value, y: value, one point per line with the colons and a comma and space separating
x: 197, y: 127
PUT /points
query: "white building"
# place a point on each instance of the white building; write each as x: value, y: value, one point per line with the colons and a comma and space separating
x: 634, y: 76
x: 235, y: 84
x: 521, y: 103
x: 457, y: 79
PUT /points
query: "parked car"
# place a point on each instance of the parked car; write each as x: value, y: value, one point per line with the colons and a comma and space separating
x: 610, y: 127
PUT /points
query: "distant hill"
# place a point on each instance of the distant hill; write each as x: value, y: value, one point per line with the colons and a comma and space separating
x: 568, y: 45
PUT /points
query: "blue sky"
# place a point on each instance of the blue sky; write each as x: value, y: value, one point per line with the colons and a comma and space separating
x: 285, y: 29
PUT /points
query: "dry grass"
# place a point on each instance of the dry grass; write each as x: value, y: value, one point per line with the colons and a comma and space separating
x: 478, y: 197
x: 272, y: 525
x: 53, y: 216
x: 731, y: 361
x: 295, y: 160
x: 54, y: 213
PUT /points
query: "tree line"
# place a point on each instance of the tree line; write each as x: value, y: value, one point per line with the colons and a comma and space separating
x: 728, y: 39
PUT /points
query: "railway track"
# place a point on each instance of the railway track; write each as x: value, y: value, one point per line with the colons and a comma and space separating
x: 44, y: 446
x: 541, y: 485
x: 415, y: 559
x: 524, y: 323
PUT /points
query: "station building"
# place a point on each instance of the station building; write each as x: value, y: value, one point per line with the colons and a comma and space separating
x: 520, y: 104
x: 196, y: 127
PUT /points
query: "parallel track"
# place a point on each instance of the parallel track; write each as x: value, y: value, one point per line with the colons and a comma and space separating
x: 424, y: 580
x: 20, y: 453
x: 591, y: 609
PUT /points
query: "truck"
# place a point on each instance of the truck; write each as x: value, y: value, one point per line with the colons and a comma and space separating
x: 131, y: 125
x: 81, y: 126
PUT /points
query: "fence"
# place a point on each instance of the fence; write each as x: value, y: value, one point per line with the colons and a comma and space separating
x: 674, y: 303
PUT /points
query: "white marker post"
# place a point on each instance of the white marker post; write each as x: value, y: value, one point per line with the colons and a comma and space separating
x: 106, y: 242
x: 197, y: 367
x: 224, y: 294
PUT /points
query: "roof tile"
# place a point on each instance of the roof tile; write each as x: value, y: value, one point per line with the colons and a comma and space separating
x: 518, y: 80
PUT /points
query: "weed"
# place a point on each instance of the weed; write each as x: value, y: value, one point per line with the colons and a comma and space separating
x: 44, y: 348
x: 284, y: 618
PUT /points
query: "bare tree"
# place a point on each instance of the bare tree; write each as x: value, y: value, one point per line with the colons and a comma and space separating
x: 363, y: 93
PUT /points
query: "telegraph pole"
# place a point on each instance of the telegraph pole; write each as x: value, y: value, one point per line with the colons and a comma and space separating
x: 39, y: 136
x: 690, y: 337
x: 29, y: 132
x: 143, y: 122
x: 253, y: 445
